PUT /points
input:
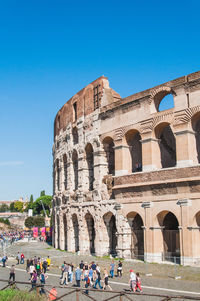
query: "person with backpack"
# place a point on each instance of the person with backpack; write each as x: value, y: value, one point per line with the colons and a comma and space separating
x: 87, y: 283
x: 34, y: 279
x: 44, y: 266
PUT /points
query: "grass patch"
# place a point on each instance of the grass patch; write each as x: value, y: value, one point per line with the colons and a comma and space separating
x: 13, y: 295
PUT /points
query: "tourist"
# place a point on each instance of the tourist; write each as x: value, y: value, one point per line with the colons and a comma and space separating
x: 44, y: 266
x: 93, y: 266
x: 132, y: 281
x: 48, y: 263
x: 78, y: 274
x: 98, y: 278
x: 119, y: 269
x: 12, y: 273
x: 35, y: 261
x: 34, y: 279
x: 90, y: 274
x: 112, y: 269
x: 43, y: 278
x: 4, y: 259
x: 87, y: 283
x: 138, y: 283
x: 18, y: 258
x: 31, y: 269
x: 105, y: 285
x: 38, y: 270
x: 81, y: 265
x: 22, y: 258
x: 65, y: 275
x: 52, y: 294
x: 28, y: 262
x: 70, y: 272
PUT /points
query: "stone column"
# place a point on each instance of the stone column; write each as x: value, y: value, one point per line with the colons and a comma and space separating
x: 55, y: 230
x: 148, y: 237
x: 122, y: 158
x: 185, y: 234
x: 157, y: 243
x: 186, y: 154
x: 62, y: 232
x: 151, y: 159
x: 195, y: 243
x: 100, y: 167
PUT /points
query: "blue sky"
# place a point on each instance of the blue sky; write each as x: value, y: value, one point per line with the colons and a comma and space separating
x: 49, y: 50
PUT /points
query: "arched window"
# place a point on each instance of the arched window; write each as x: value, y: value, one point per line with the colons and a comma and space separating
x: 110, y: 222
x: 137, y: 235
x: 75, y: 232
x: 108, y: 145
x: 166, y: 103
x: 91, y: 232
x: 90, y: 165
x: 133, y: 140
x: 75, y: 168
x: 167, y: 145
x: 75, y: 135
x: 65, y: 171
x: 196, y: 128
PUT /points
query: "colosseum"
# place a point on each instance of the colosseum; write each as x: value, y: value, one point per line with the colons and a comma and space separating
x: 127, y: 173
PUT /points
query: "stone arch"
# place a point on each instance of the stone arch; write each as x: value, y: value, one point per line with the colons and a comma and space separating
x: 90, y: 165
x: 110, y: 223
x: 137, y: 235
x: 65, y: 171
x: 75, y: 135
x: 196, y: 127
x: 58, y: 174
x: 90, y: 238
x: 167, y: 144
x: 75, y: 169
x: 158, y: 95
x: 75, y: 237
x: 65, y: 231
x: 170, y: 232
x: 198, y: 219
x: 58, y: 231
x: 133, y: 140
x: 108, y: 145
x: 166, y: 103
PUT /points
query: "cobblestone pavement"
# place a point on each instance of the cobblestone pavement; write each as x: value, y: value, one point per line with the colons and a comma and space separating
x: 161, y: 282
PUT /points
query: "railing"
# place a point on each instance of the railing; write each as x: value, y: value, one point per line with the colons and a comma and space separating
x: 79, y: 292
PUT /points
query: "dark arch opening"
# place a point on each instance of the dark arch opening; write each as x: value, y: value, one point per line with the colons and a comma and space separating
x: 65, y: 230
x: 75, y: 135
x: 108, y: 145
x: 90, y: 164
x: 167, y: 144
x: 76, y: 232
x: 171, y: 237
x: 110, y: 222
x: 91, y: 232
x: 133, y: 139
x: 75, y: 168
x: 65, y: 170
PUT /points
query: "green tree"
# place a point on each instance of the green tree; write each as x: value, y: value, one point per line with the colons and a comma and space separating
x: 29, y: 222
x: 4, y: 208
x: 18, y: 206
x: 12, y: 207
x: 42, y: 193
x: 31, y: 198
x: 37, y: 205
x: 39, y: 221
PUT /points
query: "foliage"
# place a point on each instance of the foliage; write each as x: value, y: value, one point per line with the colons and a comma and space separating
x: 39, y: 221
x: 12, y: 207
x: 5, y: 221
x: 15, y: 295
x: 37, y: 205
x: 29, y: 222
x: 4, y: 208
x: 18, y: 206
x: 31, y: 198
x: 42, y: 193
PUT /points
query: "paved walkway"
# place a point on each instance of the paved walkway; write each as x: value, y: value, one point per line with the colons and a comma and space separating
x: 163, y: 284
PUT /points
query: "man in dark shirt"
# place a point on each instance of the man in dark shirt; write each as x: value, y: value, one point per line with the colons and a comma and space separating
x: 12, y: 273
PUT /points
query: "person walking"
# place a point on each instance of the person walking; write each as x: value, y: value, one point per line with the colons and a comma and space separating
x: 87, y: 283
x: 12, y: 273
x: 98, y: 278
x: 138, y: 283
x: 132, y: 281
x: 34, y: 279
x: 18, y: 258
x: 43, y: 278
x: 22, y: 258
x: 78, y: 273
x: 31, y: 270
x: 112, y: 269
x: 105, y: 285
x: 119, y: 269
x: 64, y: 279
x: 4, y: 259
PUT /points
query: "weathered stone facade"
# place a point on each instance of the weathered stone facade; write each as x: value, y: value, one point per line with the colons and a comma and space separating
x: 126, y: 175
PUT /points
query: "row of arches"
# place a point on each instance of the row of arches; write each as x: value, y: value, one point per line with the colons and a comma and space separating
x: 166, y: 221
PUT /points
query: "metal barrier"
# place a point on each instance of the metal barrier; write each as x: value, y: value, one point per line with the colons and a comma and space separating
x: 121, y: 295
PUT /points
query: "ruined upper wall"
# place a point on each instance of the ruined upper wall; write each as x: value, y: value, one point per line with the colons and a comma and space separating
x: 92, y: 97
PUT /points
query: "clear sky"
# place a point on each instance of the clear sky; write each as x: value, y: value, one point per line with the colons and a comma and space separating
x: 49, y: 50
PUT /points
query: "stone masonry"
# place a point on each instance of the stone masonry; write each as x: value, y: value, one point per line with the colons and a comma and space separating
x: 127, y: 174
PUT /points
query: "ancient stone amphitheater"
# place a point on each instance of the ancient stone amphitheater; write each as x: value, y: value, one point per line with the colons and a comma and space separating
x: 127, y: 173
